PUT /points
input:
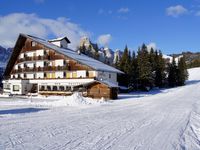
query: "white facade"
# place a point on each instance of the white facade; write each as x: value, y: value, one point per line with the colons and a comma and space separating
x: 59, y: 74
x: 16, y: 67
x: 40, y: 75
x: 59, y: 62
x: 18, y: 87
x: 81, y: 73
x: 30, y: 65
x: 40, y: 52
x: 21, y: 55
x: 22, y: 75
x: 30, y: 75
x: 21, y: 86
x: 60, y: 43
x: 40, y: 64
x: 30, y: 54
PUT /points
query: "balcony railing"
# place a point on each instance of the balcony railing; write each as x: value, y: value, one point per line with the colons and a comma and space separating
x: 34, y: 58
x: 37, y: 69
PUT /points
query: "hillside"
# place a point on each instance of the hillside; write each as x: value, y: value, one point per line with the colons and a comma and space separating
x: 162, y: 119
x: 192, y: 59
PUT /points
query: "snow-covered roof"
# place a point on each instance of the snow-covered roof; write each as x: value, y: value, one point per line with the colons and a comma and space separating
x: 60, y: 39
x: 81, y: 58
x: 110, y: 84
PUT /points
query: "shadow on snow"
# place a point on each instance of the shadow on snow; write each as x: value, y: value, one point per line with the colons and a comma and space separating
x: 192, y: 82
x: 140, y: 94
x: 21, y: 111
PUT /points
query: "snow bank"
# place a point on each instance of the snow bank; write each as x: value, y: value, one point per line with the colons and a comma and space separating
x: 74, y: 100
x: 53, y: 101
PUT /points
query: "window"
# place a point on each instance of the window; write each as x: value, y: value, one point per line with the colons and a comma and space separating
x: 109, y: 75
x: 45, y: 75
x: 64, y: 74
x: 33, y: 43
x: 87, y: 74
x: 48, y: 88
x: 61, y: 88
x: 55, y: 88
x: 64, y: 62
x: 25, y: 76
x: 6, y: 86
x: 68, y: 88
x: 42, y: 88
x: 45, y: 63
x: 15, y: 87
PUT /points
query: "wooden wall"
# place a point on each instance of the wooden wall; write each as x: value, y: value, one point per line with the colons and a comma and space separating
x: 98, y: 90
x: 73, y: 65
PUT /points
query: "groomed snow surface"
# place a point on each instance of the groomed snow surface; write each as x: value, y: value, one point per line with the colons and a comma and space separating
x: 160, y: 120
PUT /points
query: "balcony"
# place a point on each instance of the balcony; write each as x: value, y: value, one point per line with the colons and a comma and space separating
x: 37, y: 69
x: 34, y: 58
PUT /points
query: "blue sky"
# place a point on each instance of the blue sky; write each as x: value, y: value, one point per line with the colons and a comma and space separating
x: 171, y: 25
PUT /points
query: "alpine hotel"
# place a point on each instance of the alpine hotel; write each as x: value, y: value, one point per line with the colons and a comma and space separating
x: 51, y: 68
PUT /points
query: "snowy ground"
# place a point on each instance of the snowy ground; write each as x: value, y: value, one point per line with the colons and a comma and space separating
x: 160, y: 120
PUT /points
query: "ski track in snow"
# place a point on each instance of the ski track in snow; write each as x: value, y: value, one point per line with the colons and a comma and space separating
x: 164, y: 121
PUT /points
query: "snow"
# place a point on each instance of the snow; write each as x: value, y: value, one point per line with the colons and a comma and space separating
x: 170, y: 58
x: 163, y: 119
x: 52, y: 101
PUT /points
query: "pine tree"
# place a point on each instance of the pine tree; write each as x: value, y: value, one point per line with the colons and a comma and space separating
x: 159, y: 69
x: 123, y: 66
x: 117, y: 62
x: 123, y: 60
x: 182, y: 73
x: 144, y: 68
x: 133, y: 72
x: 172, y: 73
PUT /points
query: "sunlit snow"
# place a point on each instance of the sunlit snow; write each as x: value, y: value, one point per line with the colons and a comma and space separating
x: 164, y: 119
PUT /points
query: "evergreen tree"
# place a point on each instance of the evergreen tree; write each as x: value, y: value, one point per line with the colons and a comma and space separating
x: 96, y: 53
x: 117, y: 62
x: 182, y: 73
x: 144, y: 68
x: 133, y: 72
x: 123, y: 60
x: 127, y: 66
x: 172, y: 73
x: 124, y: 65
x: 152, y: 57
x: 159, y: 69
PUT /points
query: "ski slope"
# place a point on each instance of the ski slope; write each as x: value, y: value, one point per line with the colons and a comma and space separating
x: 160, y: 120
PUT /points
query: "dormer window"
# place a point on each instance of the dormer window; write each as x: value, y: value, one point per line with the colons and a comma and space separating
x: 33, y: 43
x: 60, y: 42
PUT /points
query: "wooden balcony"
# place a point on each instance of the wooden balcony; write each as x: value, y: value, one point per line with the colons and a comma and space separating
x: 38, y: 69
x: 34, y: 58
